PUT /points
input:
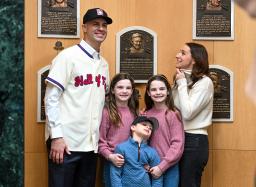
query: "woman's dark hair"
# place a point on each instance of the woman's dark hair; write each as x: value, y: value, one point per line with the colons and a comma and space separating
x: 201, y: 66
x: 169, y: 100
x: 133, y: 102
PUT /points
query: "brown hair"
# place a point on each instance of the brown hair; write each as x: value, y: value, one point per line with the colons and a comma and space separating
x: 133, y: 102
x: 201, y: 66
x: 169, y: 100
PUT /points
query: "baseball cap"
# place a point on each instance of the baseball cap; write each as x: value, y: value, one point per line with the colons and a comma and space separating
x: 153, y: 121
x: 94, y: 13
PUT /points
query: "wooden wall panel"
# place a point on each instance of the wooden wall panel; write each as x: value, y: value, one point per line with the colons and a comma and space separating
x: 234, y: 168
x: 36, y: 170
x: 230, y: 143
x: 237, y: 56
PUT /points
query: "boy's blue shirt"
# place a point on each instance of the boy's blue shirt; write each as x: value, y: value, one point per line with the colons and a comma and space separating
x: 132, y: 173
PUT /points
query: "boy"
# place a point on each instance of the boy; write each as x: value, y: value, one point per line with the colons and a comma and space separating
x: 138, y: 155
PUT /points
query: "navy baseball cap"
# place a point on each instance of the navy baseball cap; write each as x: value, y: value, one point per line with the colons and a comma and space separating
x: 153, y: 121
x: 94, y: 13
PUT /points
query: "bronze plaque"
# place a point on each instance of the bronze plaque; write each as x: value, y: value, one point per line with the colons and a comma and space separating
x: 137, y: 54
x: 223, y: 94
x: 41, y: 87
x: 213, y: 19
x: 60, y: 20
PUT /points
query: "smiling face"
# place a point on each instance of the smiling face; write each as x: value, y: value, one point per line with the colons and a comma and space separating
x: 122, y: 91
x: 95, y: 31
x: 136, y: 42
x: 184, y: 59
x: 142, y: 130
x: 158, y: 92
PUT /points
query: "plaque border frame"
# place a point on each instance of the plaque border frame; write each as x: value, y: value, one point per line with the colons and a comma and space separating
x: 194, y: 37
x: 127, y: 29
x: 39, y: 16
x: 231, y: 119
x: 39, y: 104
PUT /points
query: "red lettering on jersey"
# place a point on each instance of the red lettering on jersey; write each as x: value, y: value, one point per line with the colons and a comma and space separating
x: 79, y: 81
x: 104, y: 82
x: 88, y: 80
x: 97, y: 79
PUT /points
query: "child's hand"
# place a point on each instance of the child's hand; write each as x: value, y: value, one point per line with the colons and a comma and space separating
x: 146, y: 167
x: 116, y: 159
x: 155, y: 172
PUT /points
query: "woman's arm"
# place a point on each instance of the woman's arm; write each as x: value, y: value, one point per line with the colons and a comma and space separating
x: 194, y: 100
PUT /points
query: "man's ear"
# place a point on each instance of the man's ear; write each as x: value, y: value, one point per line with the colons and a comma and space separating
x: 84, y: 27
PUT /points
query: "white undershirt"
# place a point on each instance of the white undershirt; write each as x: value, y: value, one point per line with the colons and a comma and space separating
x: 52, y: 110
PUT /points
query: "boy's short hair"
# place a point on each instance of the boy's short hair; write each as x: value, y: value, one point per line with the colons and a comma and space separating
x: 153, y: 121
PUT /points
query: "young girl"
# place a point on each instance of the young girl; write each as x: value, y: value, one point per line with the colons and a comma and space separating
x: 120, y: 110
x: 168, y: 139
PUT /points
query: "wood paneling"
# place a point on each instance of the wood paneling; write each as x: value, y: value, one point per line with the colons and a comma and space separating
x: 237, y: 56
x: 231, y: 144
x: 36, y: 170
x: 234, y: 168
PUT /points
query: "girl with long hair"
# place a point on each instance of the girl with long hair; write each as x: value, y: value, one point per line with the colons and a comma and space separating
x: 118, y: 114
x: 168, y: 139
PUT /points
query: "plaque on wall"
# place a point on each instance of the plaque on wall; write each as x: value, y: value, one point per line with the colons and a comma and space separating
x: 213, y: 19
x: 59, y: 19
x: 223, y: 93
x: 136, y: 52
x: 41, y: 87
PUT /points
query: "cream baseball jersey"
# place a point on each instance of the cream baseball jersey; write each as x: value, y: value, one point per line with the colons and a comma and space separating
x: 84, y: 80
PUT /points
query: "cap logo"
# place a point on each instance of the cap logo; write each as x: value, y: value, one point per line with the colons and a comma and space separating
x: 99, y: 12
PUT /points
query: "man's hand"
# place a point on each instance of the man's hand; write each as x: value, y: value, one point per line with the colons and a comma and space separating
x: 58, y: 148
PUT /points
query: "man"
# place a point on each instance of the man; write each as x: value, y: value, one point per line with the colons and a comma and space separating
x: 74, y: 99
x: 250, y: 87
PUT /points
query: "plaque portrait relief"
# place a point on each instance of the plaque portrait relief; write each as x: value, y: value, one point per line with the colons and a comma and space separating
x: 223, y: 93
x: 136, y: 53
x: 213, y: 19
x: 58, y: 3
x: 59, y: 18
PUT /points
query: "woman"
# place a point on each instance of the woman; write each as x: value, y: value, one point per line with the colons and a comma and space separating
x: 193, y: 96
